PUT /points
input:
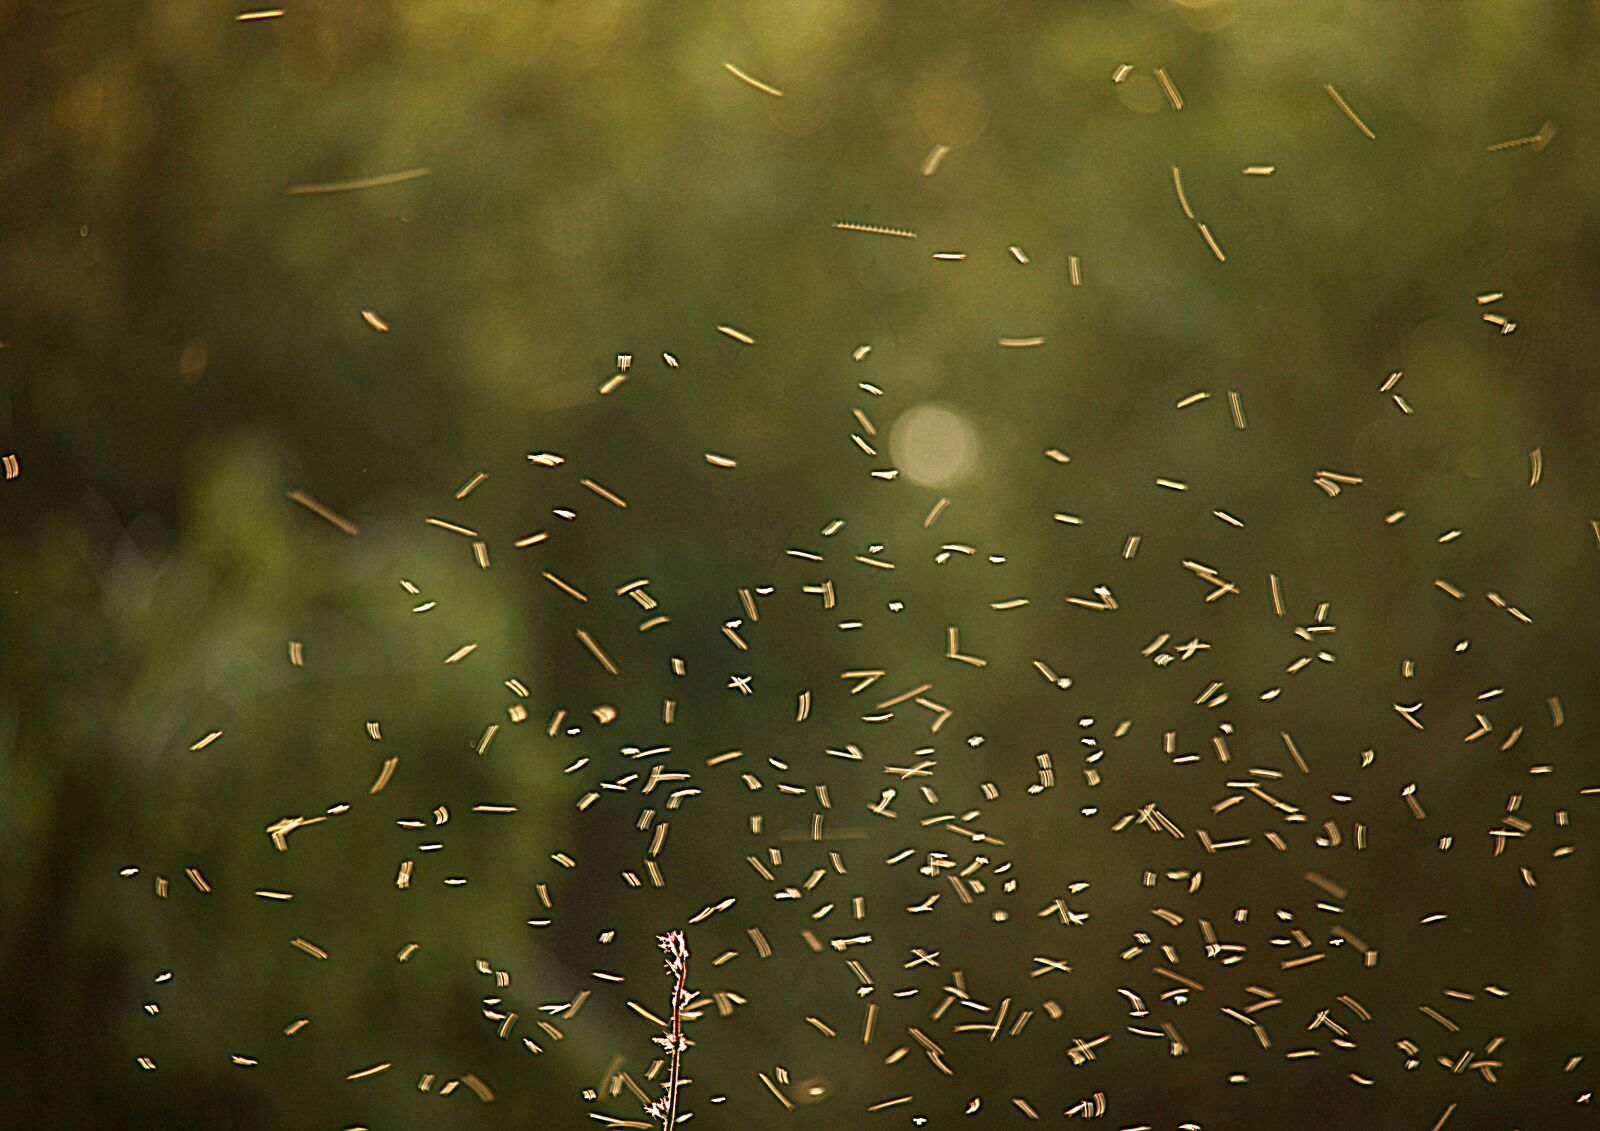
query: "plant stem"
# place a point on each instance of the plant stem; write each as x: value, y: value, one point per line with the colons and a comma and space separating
x: 677, y: 1047
x: 676, y: 948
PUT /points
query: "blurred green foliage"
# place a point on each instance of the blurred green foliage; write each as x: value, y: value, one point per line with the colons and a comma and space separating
x: 185, y: 346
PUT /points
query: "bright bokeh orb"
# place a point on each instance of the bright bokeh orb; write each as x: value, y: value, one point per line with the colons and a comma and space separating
x: 934, y: 445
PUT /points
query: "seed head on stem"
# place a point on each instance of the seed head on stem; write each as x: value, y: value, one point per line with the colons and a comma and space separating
x: 665, y: 1109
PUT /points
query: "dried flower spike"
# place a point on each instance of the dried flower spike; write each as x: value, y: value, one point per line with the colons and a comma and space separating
x: 665, y: 1109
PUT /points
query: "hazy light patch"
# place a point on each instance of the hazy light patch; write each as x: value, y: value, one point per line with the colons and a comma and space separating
x: 933, y: 444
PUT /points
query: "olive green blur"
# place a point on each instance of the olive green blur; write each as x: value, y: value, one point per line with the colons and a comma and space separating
x: 184, y: 345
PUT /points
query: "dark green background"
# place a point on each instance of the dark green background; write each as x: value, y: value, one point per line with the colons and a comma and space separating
x: 599, y: 184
